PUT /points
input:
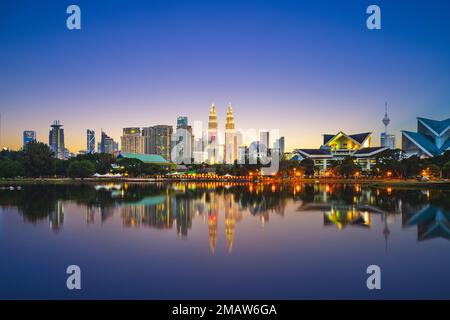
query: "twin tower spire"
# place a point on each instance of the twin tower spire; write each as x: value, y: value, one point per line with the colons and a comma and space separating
x: 229, y: 154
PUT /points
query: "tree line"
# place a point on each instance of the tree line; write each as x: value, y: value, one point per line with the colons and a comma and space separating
x: 37, y: 160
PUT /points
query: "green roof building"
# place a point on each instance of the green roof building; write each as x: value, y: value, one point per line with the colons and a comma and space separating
x: 146, y: 158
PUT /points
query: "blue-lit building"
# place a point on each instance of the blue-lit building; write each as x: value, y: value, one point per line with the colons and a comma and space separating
x: 182, y: 122
x: 90, y: 141
x: 431, y: 139
x: 56, y: 140
x: 107, y: 144
x: 28, y: 136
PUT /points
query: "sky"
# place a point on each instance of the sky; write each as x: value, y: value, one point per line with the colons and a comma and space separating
x: 305, y: 68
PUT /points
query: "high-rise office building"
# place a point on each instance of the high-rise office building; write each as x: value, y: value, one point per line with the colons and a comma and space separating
x: 229, y: 151
x: 132, y: 140
x: 238, y: 141
x: 264, y: 138
x: 279, y: 146
x: 90, y: 141
x: 387, y: 140
x: 107, y: 144
x: 242, y: 154
x: 184, y: 141
x: 199, y: 153
x: 182, y: 122
x: 212, y: 135
x: 157, y: 140
x: 28, y: 136
x: 56, y: 140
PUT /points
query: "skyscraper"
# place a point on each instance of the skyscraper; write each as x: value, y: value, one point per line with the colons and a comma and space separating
x: 279, y: 146
x: 212, y: 135
x: 28, y: 136
x: 264, y: 141
x: 229, y: 151
x: 107, y: 144
x: 199, y: 142
x: 157, y: 140
x: 56, y: 139
x: 264, y: 138
x: 182, y: 122
x: 184, y: 141
x: 132, y: 140
x: 238, y: 140
x: 90, y: 141
x: 387, y: 140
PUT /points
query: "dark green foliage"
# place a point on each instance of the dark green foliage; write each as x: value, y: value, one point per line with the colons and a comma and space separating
x: 80, y: 169
x: 38, y: 160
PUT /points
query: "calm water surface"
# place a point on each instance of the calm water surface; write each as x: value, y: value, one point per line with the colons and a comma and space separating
x: 223, y: 241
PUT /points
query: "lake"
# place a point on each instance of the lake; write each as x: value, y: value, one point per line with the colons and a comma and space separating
x: 223, y: 241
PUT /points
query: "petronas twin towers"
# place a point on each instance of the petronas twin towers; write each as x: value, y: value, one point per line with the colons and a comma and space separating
x: 214, y: 148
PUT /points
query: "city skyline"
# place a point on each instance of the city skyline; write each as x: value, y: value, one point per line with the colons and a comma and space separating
x: 220, y: 142
x: 162, y: 61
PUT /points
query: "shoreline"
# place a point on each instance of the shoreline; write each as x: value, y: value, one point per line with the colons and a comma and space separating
x: 375, y: 183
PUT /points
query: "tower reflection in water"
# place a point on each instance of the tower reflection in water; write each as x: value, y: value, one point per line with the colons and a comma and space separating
x: 175, y: 206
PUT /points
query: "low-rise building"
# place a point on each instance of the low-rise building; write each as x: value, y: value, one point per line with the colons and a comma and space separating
x: 339, y: 146
x: 154, y: 159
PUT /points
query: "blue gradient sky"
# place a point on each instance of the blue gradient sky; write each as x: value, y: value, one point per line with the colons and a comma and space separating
x: 305, y: 67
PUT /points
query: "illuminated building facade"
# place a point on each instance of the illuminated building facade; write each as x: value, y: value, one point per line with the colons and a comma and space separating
x: 238, y: 142
x: 28, y: 136
x: 212, y: 136
x: 90, y: 141
x: 338, y: 147
x: 229, y: 150
x: 56, y: 140
x: 132, y: 140
x: 157, y: 140
x: 279, y: 146
x: 264, y: 139
x: 431, y: 139
x: 184, y: 141
x: 107, y: 144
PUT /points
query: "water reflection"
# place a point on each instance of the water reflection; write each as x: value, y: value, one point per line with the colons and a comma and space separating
x: 175, y: 206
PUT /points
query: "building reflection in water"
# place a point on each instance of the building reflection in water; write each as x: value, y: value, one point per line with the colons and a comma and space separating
x: 213, y: 217
x: 346, y: 216
x: 175, y: 206
x: 56, y: 217
x: 431, y: 222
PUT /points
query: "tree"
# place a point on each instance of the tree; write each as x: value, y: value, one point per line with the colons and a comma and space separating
x: 38, y: 160
x: 435, y: 171
x: 11, y: 169
x: 81, y: 169
x: 287, y: 168
x: 150, y: 169
x: 347, y: 168
x: 102, y: 161
x: 446, y: 170
x: 134, y: 167
x: 411, y: 166
x: 389, y: 161
x: 308, y: 166
x: 61, y: 167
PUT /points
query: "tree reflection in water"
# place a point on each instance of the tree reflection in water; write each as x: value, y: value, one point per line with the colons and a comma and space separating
x: 167, y: 206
